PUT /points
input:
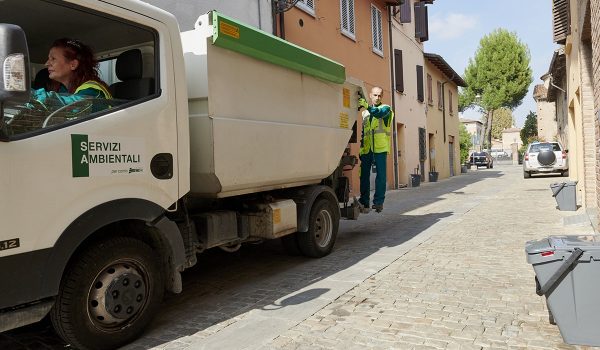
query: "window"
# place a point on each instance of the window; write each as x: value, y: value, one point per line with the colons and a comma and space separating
x: 376, y: 30
x: 429, y: 90
x: 398, y: 73
x: 421, y: 22
x: 450, y: 108
x: 307, y: 6
x: 420, y: 94
x: 440, y: 94
x: 49, y: 110
x: 347, y: 15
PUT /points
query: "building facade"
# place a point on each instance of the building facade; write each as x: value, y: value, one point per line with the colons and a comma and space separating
x: 475, y: 129
x: 546, y: 112
x: 572, y: 26
x: 443, y: 145
x: 353, y: 33
x: 256, y: 13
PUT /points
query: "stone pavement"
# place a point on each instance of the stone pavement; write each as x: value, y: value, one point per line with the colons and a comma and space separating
x: 468, y: 286
x: 443, y: 267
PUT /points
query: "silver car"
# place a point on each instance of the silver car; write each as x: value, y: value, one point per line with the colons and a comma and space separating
x: 545, y: 157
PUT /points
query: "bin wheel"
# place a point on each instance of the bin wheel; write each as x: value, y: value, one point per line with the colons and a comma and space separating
x: 108, y: 295
x: 550, y: 316
x: 565, y: 173
x: 324, y: 221
x: 526, y: 174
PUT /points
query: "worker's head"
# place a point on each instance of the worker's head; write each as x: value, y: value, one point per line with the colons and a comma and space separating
x: 71, y: 63
x: 376, y: 95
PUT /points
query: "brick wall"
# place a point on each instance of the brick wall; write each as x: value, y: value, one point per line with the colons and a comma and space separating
x: 595, y: 21
x: 588, y: 127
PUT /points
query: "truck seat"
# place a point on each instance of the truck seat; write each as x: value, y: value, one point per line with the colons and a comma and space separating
x: 129, y: 69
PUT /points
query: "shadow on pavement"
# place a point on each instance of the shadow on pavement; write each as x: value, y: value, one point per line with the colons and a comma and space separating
x: 223, y: 286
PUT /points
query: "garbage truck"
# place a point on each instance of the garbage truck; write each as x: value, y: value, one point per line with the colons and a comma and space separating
x: 214, y: 137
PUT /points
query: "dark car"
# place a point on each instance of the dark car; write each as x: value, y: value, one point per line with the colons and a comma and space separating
x: 482, y: 159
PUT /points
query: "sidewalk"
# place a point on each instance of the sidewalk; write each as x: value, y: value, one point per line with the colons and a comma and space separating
x: 466, y: 286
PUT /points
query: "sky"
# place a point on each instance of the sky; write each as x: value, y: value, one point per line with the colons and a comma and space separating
x: 457, y: 26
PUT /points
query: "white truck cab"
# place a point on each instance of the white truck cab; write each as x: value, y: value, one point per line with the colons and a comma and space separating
x: 105, y: 202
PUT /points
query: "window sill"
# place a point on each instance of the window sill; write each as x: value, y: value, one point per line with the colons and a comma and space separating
x: 377, y: 52
x: 306, y: 9
x: 348, y: 35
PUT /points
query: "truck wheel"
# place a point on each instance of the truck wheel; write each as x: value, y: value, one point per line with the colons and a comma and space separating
x: 323, y: 226
x: 108, y: 294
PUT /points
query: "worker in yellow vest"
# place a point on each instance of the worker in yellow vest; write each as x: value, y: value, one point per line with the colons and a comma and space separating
x: 375, y: 146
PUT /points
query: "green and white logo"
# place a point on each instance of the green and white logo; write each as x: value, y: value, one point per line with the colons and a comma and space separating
x: 106, y: 156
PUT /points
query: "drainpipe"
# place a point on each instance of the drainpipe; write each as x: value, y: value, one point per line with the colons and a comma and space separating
x: 259, y: 15
x: 393, y: 89
x: 444, y: 105
x: 274, y: 16
x: 444, y: 109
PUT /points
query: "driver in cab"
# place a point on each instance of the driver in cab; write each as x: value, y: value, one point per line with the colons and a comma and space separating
x: 73, y: 76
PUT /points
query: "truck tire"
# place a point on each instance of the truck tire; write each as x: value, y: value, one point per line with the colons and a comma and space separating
x: 108, y: 295
x: 323, y: 225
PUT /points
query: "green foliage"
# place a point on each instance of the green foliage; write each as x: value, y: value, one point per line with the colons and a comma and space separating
x: 529, y: 131
x: 503, y: 119
x: 499, y: 73
x: 465, y: 143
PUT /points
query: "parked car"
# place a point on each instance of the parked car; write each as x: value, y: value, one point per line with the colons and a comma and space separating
x: 498, y: 153
x: 482, y: 159
x: 545, y: 157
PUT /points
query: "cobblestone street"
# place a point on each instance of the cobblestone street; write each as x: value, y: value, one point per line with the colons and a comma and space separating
x: 443, y: 267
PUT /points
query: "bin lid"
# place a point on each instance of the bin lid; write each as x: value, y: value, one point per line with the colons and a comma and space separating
x: 584, y: 242
x: 565, y: 243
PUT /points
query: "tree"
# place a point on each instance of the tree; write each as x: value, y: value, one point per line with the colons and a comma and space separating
x: 499, y: 75
x: 503, y: 119
x: 465, y: 143
x: 529, y: 131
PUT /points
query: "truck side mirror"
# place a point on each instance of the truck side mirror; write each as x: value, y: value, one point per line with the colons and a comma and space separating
x: 14, y: 64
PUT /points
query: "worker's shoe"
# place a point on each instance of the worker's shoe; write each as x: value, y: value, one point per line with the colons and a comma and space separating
x: 378, y: 207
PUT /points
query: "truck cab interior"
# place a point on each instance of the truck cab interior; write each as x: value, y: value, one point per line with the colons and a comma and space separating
x: 126, y: 52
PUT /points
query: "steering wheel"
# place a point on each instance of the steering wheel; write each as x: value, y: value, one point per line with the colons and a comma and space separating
x: 79, y: 106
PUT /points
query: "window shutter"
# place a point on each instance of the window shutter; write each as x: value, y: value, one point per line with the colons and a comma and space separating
x: 347, y: 17
x: 405, y: 10
x: 450, y: 108
x: 561, y: 22
x: 429, y: 89
x: 376, y: 29
x: 422, y: 153
x: 420, y: 94
x: 421, y: 22
x: 398, y: 73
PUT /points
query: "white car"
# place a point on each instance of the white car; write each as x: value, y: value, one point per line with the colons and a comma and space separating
x: 545, y: 157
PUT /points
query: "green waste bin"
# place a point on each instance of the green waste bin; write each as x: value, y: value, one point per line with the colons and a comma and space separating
x: 565, y: 194
x: 567, y: 270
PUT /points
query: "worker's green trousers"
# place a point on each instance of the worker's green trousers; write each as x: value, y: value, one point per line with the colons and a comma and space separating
x: 366, y: 161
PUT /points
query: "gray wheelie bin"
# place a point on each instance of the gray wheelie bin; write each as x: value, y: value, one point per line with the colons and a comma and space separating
x: 567, y: 270
x: 565, y: 194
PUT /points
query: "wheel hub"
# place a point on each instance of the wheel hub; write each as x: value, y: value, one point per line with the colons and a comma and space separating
x: 324, y: 228
x: 118, y: 294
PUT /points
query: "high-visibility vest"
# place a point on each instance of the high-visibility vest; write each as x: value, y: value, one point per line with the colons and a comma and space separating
x: 91, y: 84
x: 376, y: 135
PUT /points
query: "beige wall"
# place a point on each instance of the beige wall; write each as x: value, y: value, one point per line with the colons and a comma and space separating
x: 321, y: 33
x: 546, y: 116
x: 581, y: 122
x: 595, y: 20
x: 410, y: 113
x: 435, y: 126
x: 509, y: 137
